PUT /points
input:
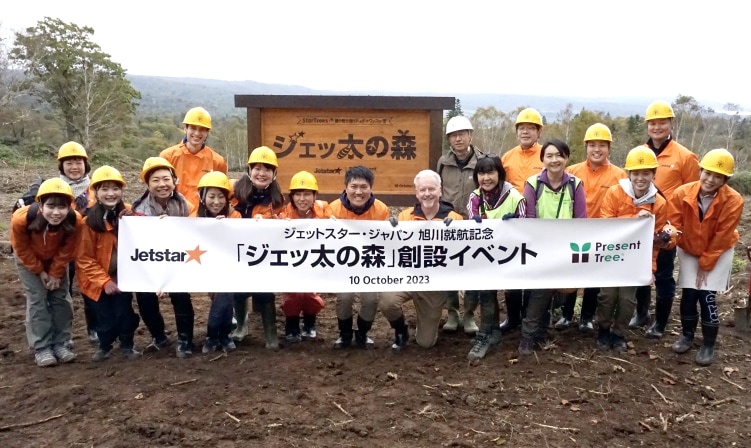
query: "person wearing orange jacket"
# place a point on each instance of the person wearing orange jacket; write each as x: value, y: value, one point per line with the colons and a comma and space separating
x: 357, y: 202
x: 597, y: 175
x: 428, y: 304
x: 192, y: 158
x: 705, y: 215
x: 214, y: 194
x: 96, y: 262
x: 520, y: 163
x: 634, y: 197
x: 303, y: 204
x: 44, y: 236
x: 258, y: 195
x: 676, y: 166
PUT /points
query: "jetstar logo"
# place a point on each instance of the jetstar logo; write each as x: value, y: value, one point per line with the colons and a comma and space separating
x: 168, y: 255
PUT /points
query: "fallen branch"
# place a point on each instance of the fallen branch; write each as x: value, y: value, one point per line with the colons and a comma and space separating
x: 575, y: 357
x: 664, y: 422
x: 646, y: 426
x: 223, y: 355
x: 237, y: 420
x: 723, y: 401
x: 24, y: 425
x: 730, y: 382
x: 180, y: 383
x: 560, y: 428
x: 5, y: 387
x: 623, y: 360
x: 342, y: 409
x: 660, y: 393
x: 666, y: 373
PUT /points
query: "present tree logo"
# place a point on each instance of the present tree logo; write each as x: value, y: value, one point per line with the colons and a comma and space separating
x: 580, y: 255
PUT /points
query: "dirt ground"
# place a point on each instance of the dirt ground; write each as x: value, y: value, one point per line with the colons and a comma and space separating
x: 568, y: 394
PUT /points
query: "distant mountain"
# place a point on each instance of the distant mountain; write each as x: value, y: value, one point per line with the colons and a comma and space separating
x: 165, y: 95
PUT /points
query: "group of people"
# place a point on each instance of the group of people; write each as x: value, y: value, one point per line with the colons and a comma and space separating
x: 72, y: 229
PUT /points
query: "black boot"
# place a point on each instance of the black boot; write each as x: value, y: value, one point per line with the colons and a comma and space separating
x: 361, y: 335
x: 662, y: 313
x: 603, y: 338
x: 683, y: 344
x: 401, y: 334
x: 513, y: 311
x: 345, y: 333
x: 292, y: 329
x: 641, y: 314
x: 706, y: 352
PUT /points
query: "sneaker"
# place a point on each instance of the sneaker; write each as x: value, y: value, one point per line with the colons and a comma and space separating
x: 363, y: 341
x: 293, y: 338
x: 562, y: 323
x: 44, y: 357
x: 70, y: 344
x: 93, y: 337
x: 526, y: 346
x: 101, y: 355
x: 63, y: 353
x: 130, y: 353
x: 586, y: 326
x: 343, y: 342
x: 184, y: 349
x: 240, y: 331
x: 210, y: 345
x: 227, y: 344
x: 157, y: 344
x: 400, y: 341
x: 309, y: 333
x: 618, y: 343
x: 480, y: 347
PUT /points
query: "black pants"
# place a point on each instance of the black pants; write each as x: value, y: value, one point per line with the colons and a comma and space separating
x: 589, y: 304
x: 707, y: 305
x: 117, y: 320
x: 148, y: 306
x: 89, y: 305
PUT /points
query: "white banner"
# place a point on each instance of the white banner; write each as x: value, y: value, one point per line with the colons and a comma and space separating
x: 312, y: 255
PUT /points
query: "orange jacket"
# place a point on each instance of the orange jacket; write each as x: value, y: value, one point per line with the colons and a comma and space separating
x: 42, y: 251
x: 232, y: 214
x: 444, y: 211
x: 676, y: 166
x: 709, y: 238
x: 321, y: 210
x: 377, y: 212
x: 596, y: 182
x: 93, y: 259
x: 617, y: 204
x: 520, y: 165
x: 189, y: 168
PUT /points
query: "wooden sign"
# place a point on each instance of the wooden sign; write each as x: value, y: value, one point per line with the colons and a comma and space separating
x: 395, y: 137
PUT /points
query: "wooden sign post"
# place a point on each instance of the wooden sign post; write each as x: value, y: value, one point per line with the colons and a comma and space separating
x: 396, y: 137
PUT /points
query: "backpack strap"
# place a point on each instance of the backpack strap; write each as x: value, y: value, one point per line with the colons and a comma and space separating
x: 31, y: 215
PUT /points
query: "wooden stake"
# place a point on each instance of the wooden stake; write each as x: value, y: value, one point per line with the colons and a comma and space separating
x: 24, y: 425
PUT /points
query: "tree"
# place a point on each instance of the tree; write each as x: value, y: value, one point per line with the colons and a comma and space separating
x: 77, y: 79
x: 494, y: 129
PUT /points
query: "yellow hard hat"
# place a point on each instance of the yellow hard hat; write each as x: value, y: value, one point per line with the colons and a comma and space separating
x: 106, y: 173
x: 598, y: 131
x: 303, y: 181
x: 659, y: 109
x: 215, y: 179
x: 718, y: 161
x: 198, y: 116
x: 263, y: 154
x: 529, y: 115
x: 153, y: 163
x: 71, y: 149
x: 55, y: 186
x: 640, y: 158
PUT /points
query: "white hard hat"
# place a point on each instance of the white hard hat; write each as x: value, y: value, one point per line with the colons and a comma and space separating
x: 458, y: 123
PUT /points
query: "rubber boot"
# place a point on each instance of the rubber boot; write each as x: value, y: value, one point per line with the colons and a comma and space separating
x: 361, y: 335
x: 452, y: 307
x: 662, y: 313
x: 401, y: 334
x: 470, y: 305
x: 268, y: 318
x: 345, y: 333
x: 705, y: 356
x: 241, y: 315
x: 513, y: 311
x: 604, y: 338
x: 641, y: 314
x: 683, y: 344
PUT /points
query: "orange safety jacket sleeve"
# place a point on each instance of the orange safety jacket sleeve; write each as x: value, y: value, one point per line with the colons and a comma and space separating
x: 35, y: 250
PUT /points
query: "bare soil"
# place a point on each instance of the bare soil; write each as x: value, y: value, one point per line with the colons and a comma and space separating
x: 568, y: 394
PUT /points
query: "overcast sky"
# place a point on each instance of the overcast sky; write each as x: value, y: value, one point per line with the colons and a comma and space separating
x: 653, y: 49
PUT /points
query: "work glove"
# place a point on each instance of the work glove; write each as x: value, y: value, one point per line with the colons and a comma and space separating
x: 394, y: 222
x: 477, y: 218
x: 447, y: 220
x: 508, y: 216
